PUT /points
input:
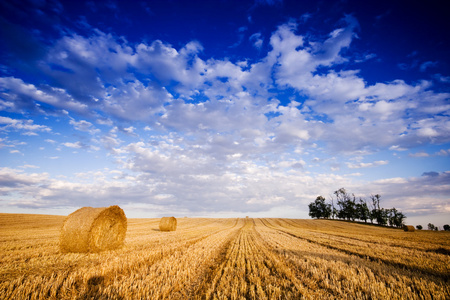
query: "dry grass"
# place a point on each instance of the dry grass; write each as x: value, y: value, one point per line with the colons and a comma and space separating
x: 226, y: 259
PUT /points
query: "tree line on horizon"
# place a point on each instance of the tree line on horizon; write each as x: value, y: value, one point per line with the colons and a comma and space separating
x: 345, y: 206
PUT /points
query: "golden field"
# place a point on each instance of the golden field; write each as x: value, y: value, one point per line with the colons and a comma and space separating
x: 226, y: 259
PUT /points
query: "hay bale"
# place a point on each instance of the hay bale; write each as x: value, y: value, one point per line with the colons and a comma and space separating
x: 409, y: 228
x: 168, y: 224
x: 92, y: 229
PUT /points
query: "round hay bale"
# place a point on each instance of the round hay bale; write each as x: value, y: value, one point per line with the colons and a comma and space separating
x: 409, y: 228
x: 168, y: 224
x: 92, y: 229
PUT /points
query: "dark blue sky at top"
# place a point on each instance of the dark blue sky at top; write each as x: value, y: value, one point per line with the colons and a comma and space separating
x: 402, y: 34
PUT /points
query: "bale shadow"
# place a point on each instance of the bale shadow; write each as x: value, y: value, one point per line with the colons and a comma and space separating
x: 94, y: 291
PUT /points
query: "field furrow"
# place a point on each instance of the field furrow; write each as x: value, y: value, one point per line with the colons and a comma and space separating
x: 226, y: 259
x: 341, y: 272
x: 45, y: 272
x: 250, y: 271
x: 431, y: 263
x: 429, y: 241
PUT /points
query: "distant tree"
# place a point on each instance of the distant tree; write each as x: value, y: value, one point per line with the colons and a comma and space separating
x: 319, y: 209
x: 400, y: 219
x: 431, y: 226
x: 375, y: 201
x: 447, y: 227
x: 346, y: 204
x: 362, y: 210
x: 382, y: 216
x: 349, y: 208
x: 419, y: 227
x: 334, y: 212
x: 395, y: 217
x: 377, y: 213
x: 391, y: 216
x: 333, y: 209
x: 371, y: 215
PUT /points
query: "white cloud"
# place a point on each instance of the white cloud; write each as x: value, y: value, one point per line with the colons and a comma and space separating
x: 29, y: 167
x: 216, y: 136
x: 135, y: 101
x: 23, y: 125
x: 419, y: 154
x: 443, y: 152
x: 84, y: 125
x: 129, y: 130
x: 98, y: 77
x: 18, y: 95
x: 76, y: 145
x: 366, y: 165
x: 257, y: 40
x: 397, y: 148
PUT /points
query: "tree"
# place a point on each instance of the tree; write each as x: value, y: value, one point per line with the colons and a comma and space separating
x: 395, y: 217
x: 375, y: 214
x: 431, y: 226
x: 391, y: 216
x: 346, y: 204
x: 349, y: 208
x: 382, y: 216
x: 362, y: 210
x: 333, y: 209
x: 419, y: 227
x: 319, y: 209
x: 447, y: 227
x: 399, y: 219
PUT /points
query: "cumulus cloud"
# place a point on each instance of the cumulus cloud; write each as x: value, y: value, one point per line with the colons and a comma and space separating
x: 84, y: 125
x: 22, y: 125
x: 217, y: 133
x: 102, y: 74
x: 419, y: 154
x: 366, y: 165
x: 257, y: 40
x: 76, y: 145
x: 423, y: 195
x: 18, y: 96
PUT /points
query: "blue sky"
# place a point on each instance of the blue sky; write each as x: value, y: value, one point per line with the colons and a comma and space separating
x: 224, y: 108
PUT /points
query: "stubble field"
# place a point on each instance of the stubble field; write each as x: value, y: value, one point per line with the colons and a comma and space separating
x: 226, y: 259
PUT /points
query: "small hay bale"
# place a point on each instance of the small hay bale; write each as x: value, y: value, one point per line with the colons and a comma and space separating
x: 246, y: 217
x: 168, y: 224
x: 409, y: 228
x: 92, y: 229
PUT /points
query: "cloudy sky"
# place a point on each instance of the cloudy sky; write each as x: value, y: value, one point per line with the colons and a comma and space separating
x: 224, y: 108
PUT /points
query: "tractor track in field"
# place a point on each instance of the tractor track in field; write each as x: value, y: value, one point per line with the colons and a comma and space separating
x: 369, y: 257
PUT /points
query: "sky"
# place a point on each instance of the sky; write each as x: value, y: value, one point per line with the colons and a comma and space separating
x: 224, y: 108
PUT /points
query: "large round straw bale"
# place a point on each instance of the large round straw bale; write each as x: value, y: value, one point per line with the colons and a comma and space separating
x: 168, y: 224
x: 92, y: 229
x: 409, y: 228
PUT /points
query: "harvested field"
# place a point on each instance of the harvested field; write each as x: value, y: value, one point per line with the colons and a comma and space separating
x: 226, y: 259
